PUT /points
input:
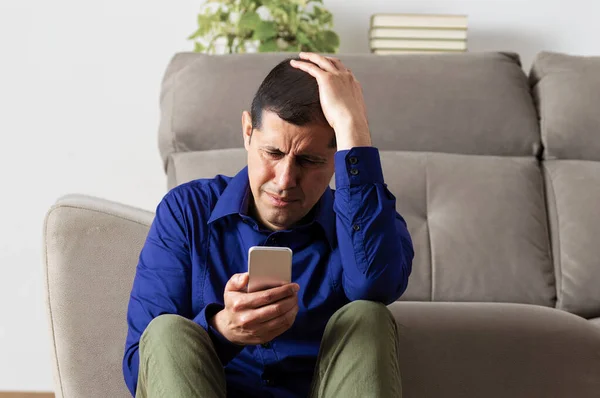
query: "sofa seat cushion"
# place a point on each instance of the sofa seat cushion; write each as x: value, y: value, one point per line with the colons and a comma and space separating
x: 495, y: 350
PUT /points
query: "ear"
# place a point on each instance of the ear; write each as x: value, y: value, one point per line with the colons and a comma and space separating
x: 246, y: 128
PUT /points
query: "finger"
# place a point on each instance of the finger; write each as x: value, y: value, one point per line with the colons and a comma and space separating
x: 277, y: 326
x: 266, y: 297
x: 309, y: 68
x: 271, y: 334
x: 275, y: 310
x: 237, y: 282
x: 323, y: 62
x: 337, y: 63
x: 257, y: 332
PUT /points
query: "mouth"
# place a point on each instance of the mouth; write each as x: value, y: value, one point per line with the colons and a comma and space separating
x: 279, y: 201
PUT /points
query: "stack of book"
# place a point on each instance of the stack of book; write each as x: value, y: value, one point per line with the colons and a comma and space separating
x: 417, y: 33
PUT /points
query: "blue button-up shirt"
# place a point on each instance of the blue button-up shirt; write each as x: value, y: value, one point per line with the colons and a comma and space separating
x: 356, y: 247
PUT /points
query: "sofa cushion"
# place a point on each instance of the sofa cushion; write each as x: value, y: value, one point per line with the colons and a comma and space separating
x: 479, y: 226
x: 468, y: 103
x: 567, y: 92
x: 187, y: 166
x: 573, y: 190
x: 478, y: 223
x: 494, y: 350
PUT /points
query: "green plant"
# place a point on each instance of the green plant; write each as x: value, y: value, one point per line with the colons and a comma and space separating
x: 269, y: 25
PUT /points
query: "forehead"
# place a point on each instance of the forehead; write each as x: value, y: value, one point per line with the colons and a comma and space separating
x: 277, y: 132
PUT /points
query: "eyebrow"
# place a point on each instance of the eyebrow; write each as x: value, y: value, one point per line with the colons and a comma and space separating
x: 309, y: 156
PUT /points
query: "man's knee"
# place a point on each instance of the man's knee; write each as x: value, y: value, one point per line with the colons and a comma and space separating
x: 367, y: 311
x: 363, y: 312
x: 164, y: 325
x: 167, y: 330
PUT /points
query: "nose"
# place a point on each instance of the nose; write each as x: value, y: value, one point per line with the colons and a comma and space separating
x: 286, y: 174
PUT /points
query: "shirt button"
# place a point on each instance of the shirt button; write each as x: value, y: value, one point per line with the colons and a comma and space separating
x: 265, y: 345
x: 353, y: 160
x: 269, y: 382
x: 354, y: 172
x: 356, y: 227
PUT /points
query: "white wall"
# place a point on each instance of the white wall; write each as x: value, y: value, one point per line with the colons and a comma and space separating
x: 79, y: 86
x: 523, y: 26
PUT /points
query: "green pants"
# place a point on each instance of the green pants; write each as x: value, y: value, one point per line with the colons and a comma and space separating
x: 358, y: 357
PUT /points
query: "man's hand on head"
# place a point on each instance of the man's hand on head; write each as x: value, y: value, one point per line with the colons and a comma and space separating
x: 258, y: 317
x: 341, y: 99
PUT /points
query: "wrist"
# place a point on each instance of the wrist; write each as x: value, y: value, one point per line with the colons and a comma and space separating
x: 353, y: 135
x: 216, y: 322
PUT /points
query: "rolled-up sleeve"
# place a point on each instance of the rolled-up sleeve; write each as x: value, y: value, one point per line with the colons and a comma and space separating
x: 374, y: 242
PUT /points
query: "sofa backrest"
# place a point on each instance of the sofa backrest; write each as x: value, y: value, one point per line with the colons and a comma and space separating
x: 567, y: 92
x: 473, y: 103
x: 459, y: 140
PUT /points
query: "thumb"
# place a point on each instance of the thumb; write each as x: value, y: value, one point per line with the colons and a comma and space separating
x: 237, y: 282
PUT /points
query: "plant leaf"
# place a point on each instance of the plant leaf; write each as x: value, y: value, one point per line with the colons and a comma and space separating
x: 265, y: 30
x: 204, y: 19
x: 199, y: 47
x: 302, y: 38
x: 326, y: 18
x: 293, y: 48
x: 223, y: 16
x: 194, y: 35
x: 268, y: 46
x: 249, y: 20
x: 205, y: 25
x: 317, y: 11
x: 280, y: 14
x: 290, y: 25
x: 306, y: 27
x: 331, y: 39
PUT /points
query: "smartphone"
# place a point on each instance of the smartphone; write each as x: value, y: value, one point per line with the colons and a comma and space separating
x: 268, y: 267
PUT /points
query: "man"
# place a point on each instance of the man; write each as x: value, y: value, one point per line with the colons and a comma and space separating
x: 195, y: 332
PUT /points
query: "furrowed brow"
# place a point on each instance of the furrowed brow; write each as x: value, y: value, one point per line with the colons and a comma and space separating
x: 307, y: 156
x: 272, y: 149
x: 314, y: 158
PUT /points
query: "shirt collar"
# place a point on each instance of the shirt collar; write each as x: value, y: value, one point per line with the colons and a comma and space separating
x: 234, y: 200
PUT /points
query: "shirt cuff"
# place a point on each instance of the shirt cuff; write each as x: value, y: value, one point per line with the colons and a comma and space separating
x: 357, y: 166
x: 226, y: 350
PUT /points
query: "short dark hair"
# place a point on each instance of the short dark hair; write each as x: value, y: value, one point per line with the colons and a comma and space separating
x: 290, y: 93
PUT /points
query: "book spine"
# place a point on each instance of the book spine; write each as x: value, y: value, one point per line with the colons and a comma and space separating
x: 416, y: 33
x: 419, y: 20
x: 434, y: 44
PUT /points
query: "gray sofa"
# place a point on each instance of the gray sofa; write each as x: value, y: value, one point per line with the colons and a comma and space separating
x: 497, y: 174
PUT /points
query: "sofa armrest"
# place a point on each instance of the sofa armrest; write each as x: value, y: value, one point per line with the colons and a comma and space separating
x: 496, y: 350
x: 91, y: 247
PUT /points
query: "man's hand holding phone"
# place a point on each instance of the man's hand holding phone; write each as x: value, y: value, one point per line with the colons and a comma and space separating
x: 257, y: 317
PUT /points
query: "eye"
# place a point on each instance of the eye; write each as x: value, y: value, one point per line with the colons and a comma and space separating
x: 274, y: 154
x: 309, y: 162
